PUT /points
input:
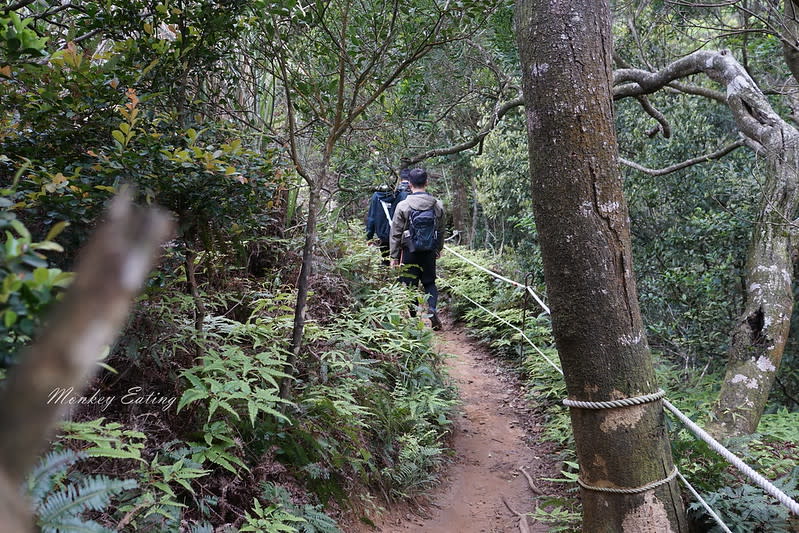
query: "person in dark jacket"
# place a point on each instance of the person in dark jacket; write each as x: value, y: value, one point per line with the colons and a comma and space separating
x: 421, y: 263
x: 377, y: 220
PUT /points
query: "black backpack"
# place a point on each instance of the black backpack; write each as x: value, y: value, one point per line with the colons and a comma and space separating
x: 422, y: 227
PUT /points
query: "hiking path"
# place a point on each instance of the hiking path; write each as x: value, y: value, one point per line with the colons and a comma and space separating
x: 494, y: 435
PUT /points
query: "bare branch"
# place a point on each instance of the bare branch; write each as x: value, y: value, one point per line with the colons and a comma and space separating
x: 292, y: 120
x: 697, y: 4
x: 753, y: 113
x: 685, y: 164
x: 110, y: 271
x: 657, y: 115
x: 18, y: 5
x: 698, y: 91
x: 474, y: 141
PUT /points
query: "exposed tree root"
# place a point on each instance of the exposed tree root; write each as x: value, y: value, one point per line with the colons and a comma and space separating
x: 524, y: 527
x: 530, y: 482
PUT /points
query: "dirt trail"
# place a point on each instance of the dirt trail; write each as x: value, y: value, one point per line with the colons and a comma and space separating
x: 492, y: 438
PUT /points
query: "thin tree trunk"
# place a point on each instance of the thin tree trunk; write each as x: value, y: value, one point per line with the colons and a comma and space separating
x: 459, y: 205
x: 584, y: 233
x: 302, y: 288
x: 191, y: 277
x: 475, y: 213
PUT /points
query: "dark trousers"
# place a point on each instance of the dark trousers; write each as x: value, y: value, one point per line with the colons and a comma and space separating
x: 384, y: 251
x: 421, y: 266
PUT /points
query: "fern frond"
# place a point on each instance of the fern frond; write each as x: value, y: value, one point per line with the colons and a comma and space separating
x: 61, y: 509
x: 40, y: 480
x: 75, y: 524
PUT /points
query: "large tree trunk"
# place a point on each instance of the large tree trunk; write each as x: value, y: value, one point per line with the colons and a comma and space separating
x: 585, y: 242
x: 759, y: 337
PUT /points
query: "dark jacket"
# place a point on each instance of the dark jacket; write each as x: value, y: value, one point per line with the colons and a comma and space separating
x: 419, y: 201
x: 376, y: 221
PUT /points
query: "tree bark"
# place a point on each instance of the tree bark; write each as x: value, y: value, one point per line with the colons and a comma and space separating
x: 790, y: 36
x: 759, y: 337
x: 584, y: 234
x: 110, y: 271
x: 199, y: 306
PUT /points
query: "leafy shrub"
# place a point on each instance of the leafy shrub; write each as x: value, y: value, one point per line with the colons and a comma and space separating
x: 414, y: 471
x: 272, y: 519
x: 28, y: 286
x: 155, y: 502
x: 232, y: 386
x: 747, y: 509
x: 314, y: 519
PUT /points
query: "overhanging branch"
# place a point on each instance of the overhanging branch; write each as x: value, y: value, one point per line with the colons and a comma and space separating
x: 474, y: 141
x: 685, y: 164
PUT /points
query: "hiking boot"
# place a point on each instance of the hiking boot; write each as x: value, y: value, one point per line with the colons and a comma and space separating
x: 435, y: 322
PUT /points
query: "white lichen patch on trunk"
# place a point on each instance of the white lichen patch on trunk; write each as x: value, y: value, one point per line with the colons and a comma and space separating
x: 539, y: 69
x: 765, y: 364
x: 737, y: 84
x: 630, y: 340
x: 625, y: 417
x: 749, y: 383
x: 649, y: 517
x: 609, y: 207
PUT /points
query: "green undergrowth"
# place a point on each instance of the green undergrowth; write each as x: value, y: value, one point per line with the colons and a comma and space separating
x: 214, y: 447
x: 773, y: 451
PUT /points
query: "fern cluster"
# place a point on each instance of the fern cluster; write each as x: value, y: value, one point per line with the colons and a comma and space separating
x: 61, y: 504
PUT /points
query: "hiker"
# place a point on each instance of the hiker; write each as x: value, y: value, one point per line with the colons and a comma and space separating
x: 417, y: 238
x: 403, y: 189
x: 381, y: 208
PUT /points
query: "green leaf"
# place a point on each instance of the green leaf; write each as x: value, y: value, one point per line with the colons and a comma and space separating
x: 56, y: 230
x: 191, y: 395
x: 41, y: 276
x: 113, y: 453
x: 9, y: 318
x: 48, y: 246
x: 21, y: 229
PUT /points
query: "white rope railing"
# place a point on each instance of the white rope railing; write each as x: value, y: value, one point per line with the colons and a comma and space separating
x: 734, y: 460
x: 503, y: 278
x: 704, y: 504
x: 524, y: 336
x: 730, y: 457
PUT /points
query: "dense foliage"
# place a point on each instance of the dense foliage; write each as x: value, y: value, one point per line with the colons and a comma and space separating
x: 232, y: 115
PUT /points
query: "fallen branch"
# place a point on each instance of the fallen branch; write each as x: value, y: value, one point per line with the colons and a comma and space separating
x: 530, y: 482
x: 524, y: 527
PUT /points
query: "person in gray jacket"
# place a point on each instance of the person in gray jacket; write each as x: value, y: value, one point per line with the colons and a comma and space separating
x: 415, y: 244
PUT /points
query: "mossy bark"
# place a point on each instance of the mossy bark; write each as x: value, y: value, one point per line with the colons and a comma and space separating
x: 759, y: 337
x: 584, y: 234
